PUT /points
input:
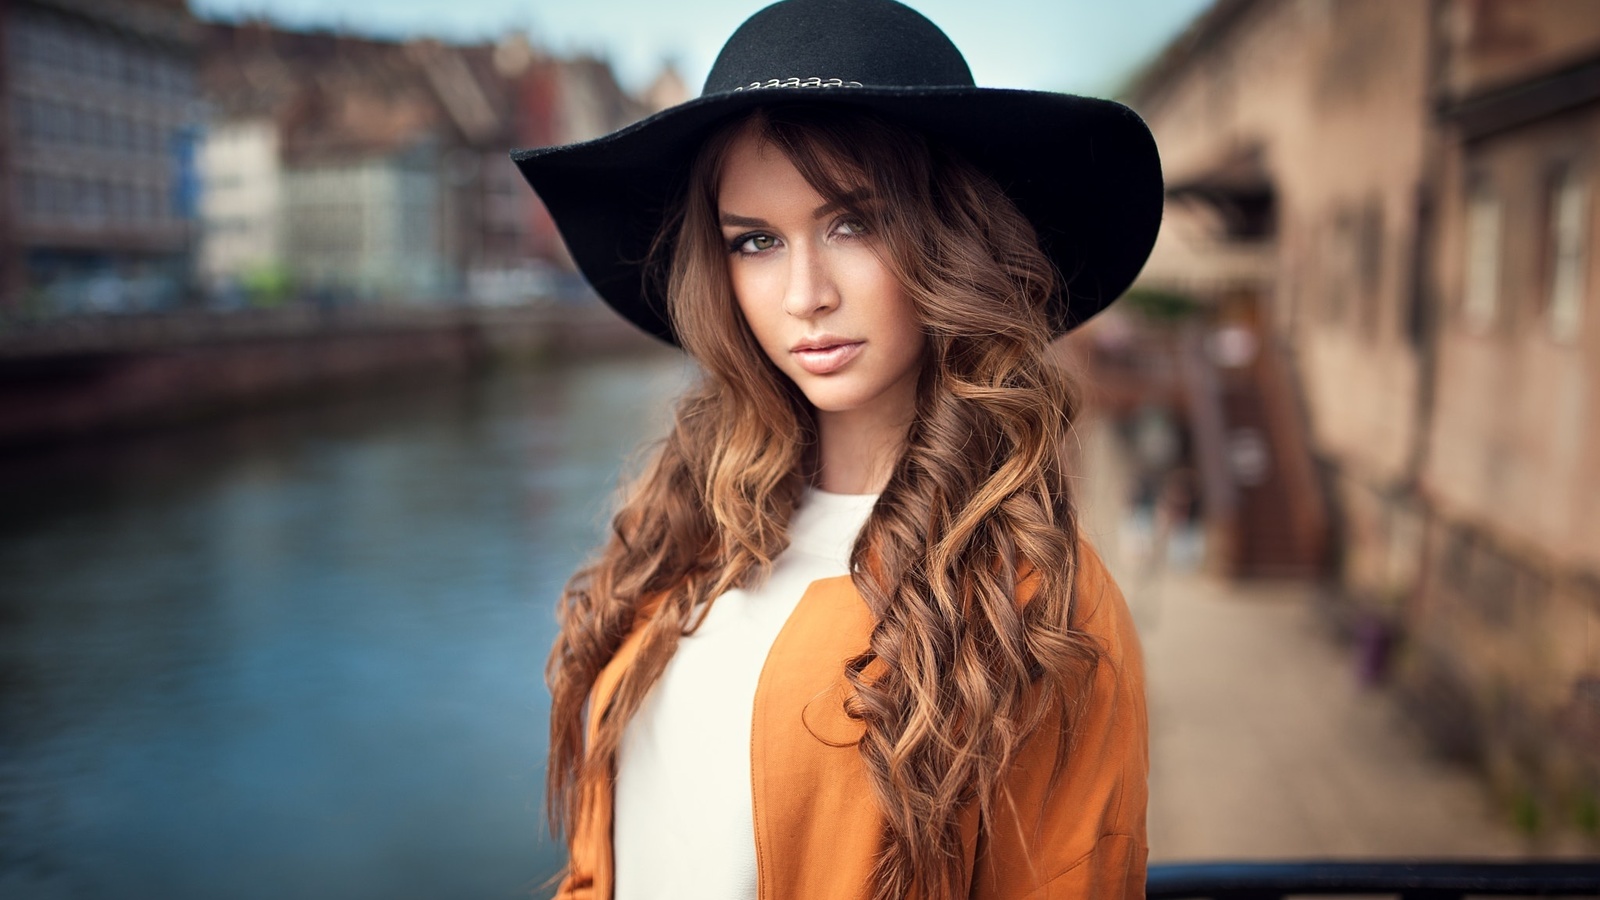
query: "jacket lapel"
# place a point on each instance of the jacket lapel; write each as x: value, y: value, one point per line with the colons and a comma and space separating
x: 590, y: 847
x: 814, y: 810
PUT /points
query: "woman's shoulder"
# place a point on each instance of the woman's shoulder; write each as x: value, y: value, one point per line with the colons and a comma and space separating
x: 1079, y: 831
x: 1098, y: 607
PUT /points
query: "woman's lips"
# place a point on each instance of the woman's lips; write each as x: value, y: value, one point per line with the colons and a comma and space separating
x: 822, y: 360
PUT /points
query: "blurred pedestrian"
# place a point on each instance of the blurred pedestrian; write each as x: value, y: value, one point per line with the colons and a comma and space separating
x: 845, y: 639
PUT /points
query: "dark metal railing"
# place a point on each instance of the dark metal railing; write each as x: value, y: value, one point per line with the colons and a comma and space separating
x: 1407, y: 880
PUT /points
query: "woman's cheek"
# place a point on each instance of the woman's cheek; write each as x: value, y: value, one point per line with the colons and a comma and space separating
x: 760, y: 309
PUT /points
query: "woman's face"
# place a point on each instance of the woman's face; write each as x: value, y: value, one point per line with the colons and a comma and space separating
x: 808, y: 278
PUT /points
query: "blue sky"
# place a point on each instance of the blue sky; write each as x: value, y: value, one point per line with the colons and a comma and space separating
x: 1080, y: 46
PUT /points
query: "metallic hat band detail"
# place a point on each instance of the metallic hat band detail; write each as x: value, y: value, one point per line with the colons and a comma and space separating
x: 812, y: 82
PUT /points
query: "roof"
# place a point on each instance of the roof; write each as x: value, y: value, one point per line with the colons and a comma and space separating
x: 342, y: 96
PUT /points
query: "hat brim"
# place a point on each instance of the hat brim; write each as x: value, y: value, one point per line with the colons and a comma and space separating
x: 1085, y: 171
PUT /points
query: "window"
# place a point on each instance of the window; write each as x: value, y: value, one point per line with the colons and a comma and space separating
x: 37, y: 202
x: 54, y: 47
x: 22, y: 118
x: 95, y: 200
x: 80, y: 53
x: 165, y: 75
x: 1368, y: 252
x: 22, y: 194
x: 121, y: 202
x: 20, y: 38
x: 1566, y: 234
x: 149, y: 203
x: 1338, y: 265
x: 49, y: 197
x: 71, y: 125
x: 116, y: 63
x: 54, y: 120
x: 31, y: 119
x: 137, y: 71
x: 71, y: 198
x: 1480, y: 303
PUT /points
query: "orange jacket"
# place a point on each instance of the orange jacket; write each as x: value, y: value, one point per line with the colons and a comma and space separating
x: 817, y: 827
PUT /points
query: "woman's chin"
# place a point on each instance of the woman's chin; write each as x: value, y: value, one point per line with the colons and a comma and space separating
x: 864, y: 392
x: 830, y: 398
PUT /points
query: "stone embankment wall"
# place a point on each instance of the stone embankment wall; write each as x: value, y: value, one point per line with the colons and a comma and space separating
x: 82, y: 378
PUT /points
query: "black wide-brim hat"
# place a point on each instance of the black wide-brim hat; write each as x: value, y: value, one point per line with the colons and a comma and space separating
x: 1083, y: 170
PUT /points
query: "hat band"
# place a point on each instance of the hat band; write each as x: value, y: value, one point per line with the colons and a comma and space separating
x: 796, y: 82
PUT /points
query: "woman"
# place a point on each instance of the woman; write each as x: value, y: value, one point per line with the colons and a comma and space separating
x: 844, y: 640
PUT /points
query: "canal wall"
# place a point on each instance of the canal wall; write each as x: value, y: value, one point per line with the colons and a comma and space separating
x: 83, y: 378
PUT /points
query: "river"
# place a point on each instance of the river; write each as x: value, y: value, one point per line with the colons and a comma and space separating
x: 300, y: 653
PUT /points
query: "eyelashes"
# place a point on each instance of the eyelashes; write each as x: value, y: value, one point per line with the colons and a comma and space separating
x: 857, y: 227
x: 755, y: 243
x: 743, y: 244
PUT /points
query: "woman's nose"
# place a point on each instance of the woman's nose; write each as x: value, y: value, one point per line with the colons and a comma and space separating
x: 811, y: 288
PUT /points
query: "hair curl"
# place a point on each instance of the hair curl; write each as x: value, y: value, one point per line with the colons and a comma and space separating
x: 958, y: 673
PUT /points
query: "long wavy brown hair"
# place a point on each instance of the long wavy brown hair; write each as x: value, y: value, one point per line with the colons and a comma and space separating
x: 961, y: 671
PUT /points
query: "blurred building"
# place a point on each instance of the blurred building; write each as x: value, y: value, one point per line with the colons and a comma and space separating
x: 241, y: 209
x: 350, y: 168
x: 1391, y: 208
x: 341, y: 167
x: 101, y: 119
x: 565, y: 100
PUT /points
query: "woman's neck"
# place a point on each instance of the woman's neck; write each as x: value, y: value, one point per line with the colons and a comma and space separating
x: 857, y: 451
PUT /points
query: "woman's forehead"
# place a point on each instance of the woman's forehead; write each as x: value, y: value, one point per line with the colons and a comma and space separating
x: 757, y: 175
x: 756, y: 164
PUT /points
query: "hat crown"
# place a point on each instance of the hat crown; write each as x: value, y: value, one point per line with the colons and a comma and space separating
x: 835, y: 43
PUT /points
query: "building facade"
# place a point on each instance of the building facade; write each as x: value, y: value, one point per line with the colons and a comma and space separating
x: 368, y: 229
x: 347, y: 169
x: 1507, y: 605
x: 242, y: 211
x: 1398, y: 201
x: 102, y: 119
x: 381, y: 169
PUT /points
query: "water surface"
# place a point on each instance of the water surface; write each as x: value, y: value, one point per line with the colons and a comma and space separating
x: 300, y: 654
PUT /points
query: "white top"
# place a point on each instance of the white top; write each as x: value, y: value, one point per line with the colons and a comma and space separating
x: 682, y: 820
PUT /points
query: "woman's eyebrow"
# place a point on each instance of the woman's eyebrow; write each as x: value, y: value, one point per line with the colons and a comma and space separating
x: 730, y: 220
x: 852, y: 200
x: 855, y: 199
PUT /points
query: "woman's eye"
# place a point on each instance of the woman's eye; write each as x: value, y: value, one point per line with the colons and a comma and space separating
x: 851, y: 227
x: 754, y: 243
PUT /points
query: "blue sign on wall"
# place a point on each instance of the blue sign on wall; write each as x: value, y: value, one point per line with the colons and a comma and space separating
x: 184, y: 147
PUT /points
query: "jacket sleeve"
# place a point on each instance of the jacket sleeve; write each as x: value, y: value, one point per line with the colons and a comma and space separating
x: 1082, y: 836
